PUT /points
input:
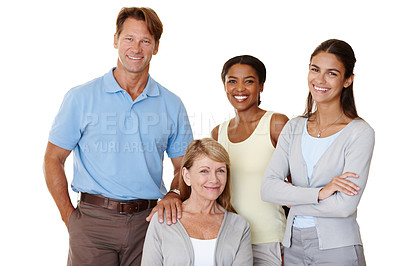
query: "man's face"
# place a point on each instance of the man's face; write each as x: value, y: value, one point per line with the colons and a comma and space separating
x: 135, y: 46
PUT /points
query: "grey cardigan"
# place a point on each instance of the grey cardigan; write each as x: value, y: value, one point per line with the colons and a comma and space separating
x: 335, y: 217
x: 170, y: 244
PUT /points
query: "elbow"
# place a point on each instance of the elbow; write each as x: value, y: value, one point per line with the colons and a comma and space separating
x: 265, y: 195
x: 271, y: 190
x: 46, y: 167
x: 344, y: 210
x: 265, y: 192
x: 343, y: 214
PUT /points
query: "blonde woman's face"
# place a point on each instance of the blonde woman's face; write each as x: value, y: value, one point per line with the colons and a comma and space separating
x: 207, y: 178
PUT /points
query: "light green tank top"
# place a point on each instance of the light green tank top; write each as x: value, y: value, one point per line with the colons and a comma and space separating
x: 249, y: 160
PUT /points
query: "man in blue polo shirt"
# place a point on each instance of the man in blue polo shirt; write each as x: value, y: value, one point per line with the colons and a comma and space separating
x: 119, y: 126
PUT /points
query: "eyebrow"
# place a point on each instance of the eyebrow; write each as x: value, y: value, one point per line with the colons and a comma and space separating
x: 133, y: 35
x: 206, y: 166
x: 233, y: 77
x: 329, y: 69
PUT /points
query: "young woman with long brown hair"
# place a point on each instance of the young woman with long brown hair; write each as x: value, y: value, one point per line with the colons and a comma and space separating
x: 328, y: 152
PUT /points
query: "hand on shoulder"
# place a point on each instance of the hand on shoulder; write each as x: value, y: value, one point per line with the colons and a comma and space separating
x: 170, y: 207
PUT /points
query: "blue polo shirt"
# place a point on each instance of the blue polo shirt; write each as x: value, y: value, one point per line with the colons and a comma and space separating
x: 119, y: 143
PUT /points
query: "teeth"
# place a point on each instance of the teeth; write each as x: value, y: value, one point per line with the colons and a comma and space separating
x: 134, y: 58
x: 320, y: 89
x: 240, y: 97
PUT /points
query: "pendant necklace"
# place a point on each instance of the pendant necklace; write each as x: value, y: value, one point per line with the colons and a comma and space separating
x: 320, y: 131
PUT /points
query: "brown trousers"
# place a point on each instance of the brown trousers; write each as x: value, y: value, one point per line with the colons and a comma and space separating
x: 99, y: 236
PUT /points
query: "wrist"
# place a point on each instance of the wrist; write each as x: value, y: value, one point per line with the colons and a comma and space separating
x: 322, y: 194
x: 67, y: 214
x: 175, y: 191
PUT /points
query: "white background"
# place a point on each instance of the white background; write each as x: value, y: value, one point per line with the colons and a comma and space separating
x: 48, y: 47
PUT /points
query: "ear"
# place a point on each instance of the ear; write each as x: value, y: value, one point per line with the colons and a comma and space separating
x: 115, y: 41
x: 155, y: 51
x: 186, y: 176
x: 349, y: 81
x: 262, y: 87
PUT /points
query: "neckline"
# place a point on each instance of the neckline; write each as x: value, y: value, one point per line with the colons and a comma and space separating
x: 219, y: 231
x: 331, y: 146
x: 203, y: 240
x: 328, y: 137
x: 252, y: 133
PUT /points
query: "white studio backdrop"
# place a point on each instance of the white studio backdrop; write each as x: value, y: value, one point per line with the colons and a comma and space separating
x: 49, y: 47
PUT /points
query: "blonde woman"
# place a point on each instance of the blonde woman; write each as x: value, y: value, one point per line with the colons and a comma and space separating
x: 209, y: 232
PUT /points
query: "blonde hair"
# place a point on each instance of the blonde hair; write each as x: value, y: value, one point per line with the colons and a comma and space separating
x: 215, y: 151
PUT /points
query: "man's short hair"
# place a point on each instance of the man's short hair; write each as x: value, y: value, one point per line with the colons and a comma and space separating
x: 148, y: 15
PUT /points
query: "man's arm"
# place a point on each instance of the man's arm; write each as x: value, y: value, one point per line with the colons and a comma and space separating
x: 56, y: 179
x: 171, y: 204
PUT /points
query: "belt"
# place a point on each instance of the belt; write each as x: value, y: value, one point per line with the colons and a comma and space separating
x: 121, y: 206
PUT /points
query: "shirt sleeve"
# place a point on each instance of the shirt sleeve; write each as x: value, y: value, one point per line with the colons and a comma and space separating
x: 357, y: 160
x: 182, y: 134
x: 152, y: 253
x: 244, y: 255
x: 66, y: 129
x: 274, y: 189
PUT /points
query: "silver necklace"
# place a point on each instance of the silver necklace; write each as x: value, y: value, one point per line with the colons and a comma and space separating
x: 320, y: 131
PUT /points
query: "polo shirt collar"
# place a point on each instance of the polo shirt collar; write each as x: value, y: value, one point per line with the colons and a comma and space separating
x: 151, y: 88
x: 112, y: 86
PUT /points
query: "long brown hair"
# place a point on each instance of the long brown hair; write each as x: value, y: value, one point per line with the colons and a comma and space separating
x: 345, y: 54
x: 216, y: 152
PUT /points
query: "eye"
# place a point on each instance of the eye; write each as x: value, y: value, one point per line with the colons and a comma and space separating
x: 221, y: 171
x: 250, y: 81
x: 232, y: 81
x: 128, y: 38
x: 146, y: 42
x: 204, y: 171
x: 332, y: 74
x: 315, y: 70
